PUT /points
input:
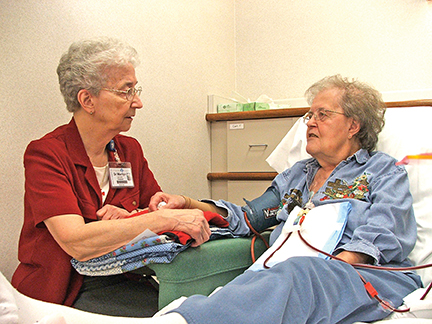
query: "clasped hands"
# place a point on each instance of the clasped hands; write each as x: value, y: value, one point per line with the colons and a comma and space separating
x: 172, y: 216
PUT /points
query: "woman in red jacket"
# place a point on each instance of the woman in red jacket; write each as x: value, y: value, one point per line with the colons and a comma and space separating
x: 69, y: 196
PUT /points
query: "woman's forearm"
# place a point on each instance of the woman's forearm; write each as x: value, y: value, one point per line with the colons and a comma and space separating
x: 195, y: 204
x: 84, y: 241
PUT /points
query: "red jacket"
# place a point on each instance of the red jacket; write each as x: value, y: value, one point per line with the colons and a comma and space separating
x: 61, y: 180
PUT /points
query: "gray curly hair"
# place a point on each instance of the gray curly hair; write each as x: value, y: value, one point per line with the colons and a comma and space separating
x: 84, y: 66
x: 359, y: 101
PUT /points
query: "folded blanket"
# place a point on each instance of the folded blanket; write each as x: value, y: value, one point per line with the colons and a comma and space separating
x: 156, y: 249
x: 162, y: 248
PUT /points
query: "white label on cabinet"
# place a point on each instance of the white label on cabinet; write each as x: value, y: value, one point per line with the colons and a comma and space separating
x: 236, y: 126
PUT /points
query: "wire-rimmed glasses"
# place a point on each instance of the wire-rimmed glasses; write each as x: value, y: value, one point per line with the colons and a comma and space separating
x: 320, y: 115
x: 130, y: 93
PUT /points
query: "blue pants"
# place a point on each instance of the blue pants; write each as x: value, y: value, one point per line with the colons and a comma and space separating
x: 301, y: 290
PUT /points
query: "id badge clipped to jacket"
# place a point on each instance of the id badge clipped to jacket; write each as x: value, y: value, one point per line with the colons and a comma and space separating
x: 120, y: 174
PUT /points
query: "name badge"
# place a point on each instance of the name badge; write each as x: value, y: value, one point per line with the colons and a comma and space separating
x: 120, y: 174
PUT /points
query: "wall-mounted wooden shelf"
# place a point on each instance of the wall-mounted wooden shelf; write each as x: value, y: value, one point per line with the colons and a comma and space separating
x: 214, y: 176
x: 296, y: 112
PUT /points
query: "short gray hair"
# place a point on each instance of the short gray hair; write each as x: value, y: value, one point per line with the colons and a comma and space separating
x: 359, y: 101
x: 84, y: 66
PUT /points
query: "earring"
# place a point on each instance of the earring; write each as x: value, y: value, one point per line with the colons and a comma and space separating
x: 91, y: 112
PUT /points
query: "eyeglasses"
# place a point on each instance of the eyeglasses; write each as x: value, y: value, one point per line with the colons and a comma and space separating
x: 130, y: 93
x: 320, y: 115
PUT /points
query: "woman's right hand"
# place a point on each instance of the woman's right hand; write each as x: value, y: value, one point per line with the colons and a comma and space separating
x: 162, y: 200
x: 189, y: 221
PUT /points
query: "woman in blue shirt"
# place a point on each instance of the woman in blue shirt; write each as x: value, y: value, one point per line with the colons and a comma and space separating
x: 342, y: 131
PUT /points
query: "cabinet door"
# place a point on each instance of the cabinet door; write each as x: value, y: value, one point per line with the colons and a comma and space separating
x: 250, y: 142
x: 239, y: 189
x: 235, y: 190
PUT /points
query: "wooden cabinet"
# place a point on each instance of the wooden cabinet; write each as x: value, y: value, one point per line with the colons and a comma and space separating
x: 240, y: 144
x: 250, y: 142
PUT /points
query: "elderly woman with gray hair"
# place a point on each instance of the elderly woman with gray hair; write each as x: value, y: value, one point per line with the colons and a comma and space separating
x: 343, y: 123
x: 73, y: 208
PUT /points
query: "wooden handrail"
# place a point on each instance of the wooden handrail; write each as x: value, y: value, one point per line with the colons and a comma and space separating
x: 296, y: 112
x: 258, y: 114
x: 213, y: 176
x: 409, y: 103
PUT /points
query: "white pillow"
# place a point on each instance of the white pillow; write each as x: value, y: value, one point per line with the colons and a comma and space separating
x: 406, y: 132
x: 291, y: 149
x: 8, y: 306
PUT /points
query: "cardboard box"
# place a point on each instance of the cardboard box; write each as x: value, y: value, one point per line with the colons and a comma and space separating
x: 229, y: 107
x: 250, y: 106
x: 261, y: 106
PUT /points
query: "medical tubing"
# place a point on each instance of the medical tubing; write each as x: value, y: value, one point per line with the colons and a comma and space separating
x: 273, y: 253
x: 368, y: 286
x: 426, y: 292
x: 362, y: 265
x: 256, y: 234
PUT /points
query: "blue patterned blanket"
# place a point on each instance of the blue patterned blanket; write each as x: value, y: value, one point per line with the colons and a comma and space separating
x: 156, y: 249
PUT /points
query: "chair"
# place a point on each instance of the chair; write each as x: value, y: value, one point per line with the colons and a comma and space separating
x: 201, y: 270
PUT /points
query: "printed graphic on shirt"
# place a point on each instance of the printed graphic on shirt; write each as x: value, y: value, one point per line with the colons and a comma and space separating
x: 270, y: 212
x: 294, y: 198
x: 340, y: 189
x: 301, y: 216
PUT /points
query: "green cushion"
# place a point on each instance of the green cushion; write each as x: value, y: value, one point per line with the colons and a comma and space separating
x: 200, y: 270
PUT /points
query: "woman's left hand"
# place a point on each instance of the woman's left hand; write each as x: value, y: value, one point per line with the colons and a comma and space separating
x: 355, y: 257
x: 169, y: 201
x: 112, y: 212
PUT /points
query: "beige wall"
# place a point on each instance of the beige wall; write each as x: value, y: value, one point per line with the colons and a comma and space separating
x: 282, y: 47
x: 189, y: 49
x: 187, y: 52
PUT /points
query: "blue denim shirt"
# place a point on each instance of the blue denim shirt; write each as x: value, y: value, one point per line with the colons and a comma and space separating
x: 381, y: 223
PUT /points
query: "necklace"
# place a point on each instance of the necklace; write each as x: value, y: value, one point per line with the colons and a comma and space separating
x: 309, y: 205
x: 313, y: 187
x: 319, y: 179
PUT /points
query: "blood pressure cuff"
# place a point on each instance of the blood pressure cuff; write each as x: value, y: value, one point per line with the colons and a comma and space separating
x: 261, y: 212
